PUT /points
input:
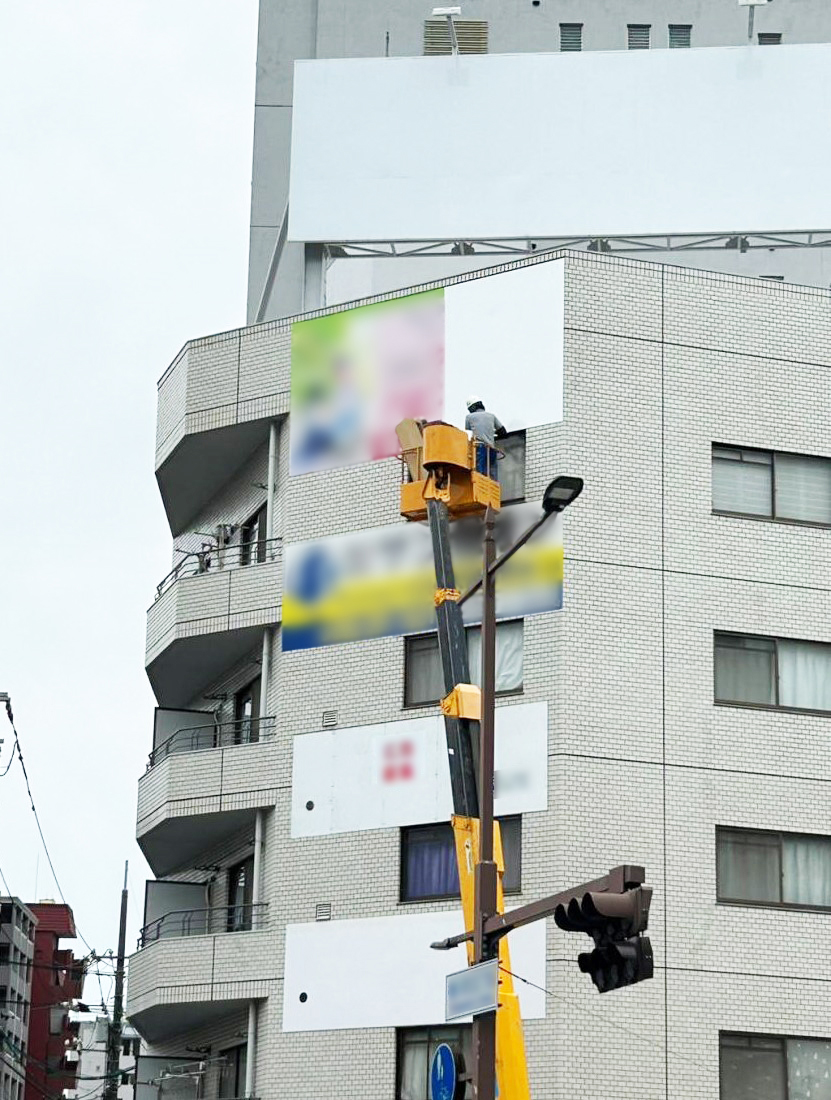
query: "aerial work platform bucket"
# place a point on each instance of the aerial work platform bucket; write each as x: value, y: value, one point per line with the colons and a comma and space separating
x: 440, y: 461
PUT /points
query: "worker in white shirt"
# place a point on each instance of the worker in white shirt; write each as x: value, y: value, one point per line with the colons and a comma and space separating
x: 485, y: 428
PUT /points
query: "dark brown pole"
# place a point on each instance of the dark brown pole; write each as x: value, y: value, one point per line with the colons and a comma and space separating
x: 484, y: 1025
x: 114, y: 1030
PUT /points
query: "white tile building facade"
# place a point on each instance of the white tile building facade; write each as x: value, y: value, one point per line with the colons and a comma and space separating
x: 661, y: 364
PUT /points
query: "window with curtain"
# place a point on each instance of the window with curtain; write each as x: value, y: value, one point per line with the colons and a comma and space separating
x: 423, y: 681
x: 742, y: 481
x: 775, y: 672
x: 773, y: 868
x: 771, y: 485
x: 254, y: 538
x: 416, y: 1047
x: 240, y: 893
x: 512, y: 467
x: 428, y: 860
x: 773, y: 1067
x: 232, y: 1072
x: 247, y: 713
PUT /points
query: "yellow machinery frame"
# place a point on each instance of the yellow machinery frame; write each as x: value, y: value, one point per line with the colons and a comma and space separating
x: 441, y: 462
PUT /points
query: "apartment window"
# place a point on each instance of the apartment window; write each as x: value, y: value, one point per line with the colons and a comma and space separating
x: 6, y: 913
x: 774, y: 672
x: 772, y: 1067
x: 253, y: 539
x: 771, y: 484
x: 125, y: 1078
x: 471, y: 34
x: 423, y: 680
x: 416, y: 1047
x: 232, y: 1072
x: 637, y: 36
x: 428, y: 860
x: 772, y: 868
x: 512, y: 467
x: 680, y: 36
x: 57, y: 1018
x: 247, y: 713
x: 571, y: 36
x: 5, y: 954
x: 768, y: 39
x: 240, y: 893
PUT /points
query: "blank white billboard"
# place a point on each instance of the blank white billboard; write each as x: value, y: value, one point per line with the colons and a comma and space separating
x: 382, y: 972
x: 548, y: 145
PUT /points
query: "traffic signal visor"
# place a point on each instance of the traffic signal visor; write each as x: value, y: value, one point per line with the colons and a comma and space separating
x: 607, y: 917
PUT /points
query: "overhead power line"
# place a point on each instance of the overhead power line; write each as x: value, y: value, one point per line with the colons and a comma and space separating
x: 4, y: 697
x: 609, y: 1023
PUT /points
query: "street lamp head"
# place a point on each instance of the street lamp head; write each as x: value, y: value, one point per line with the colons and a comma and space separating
x: 560, y: 493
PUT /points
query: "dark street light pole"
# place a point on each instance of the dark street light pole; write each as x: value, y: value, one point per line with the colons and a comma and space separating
x: 559, y: 494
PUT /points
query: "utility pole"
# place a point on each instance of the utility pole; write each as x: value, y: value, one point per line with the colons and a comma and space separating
x: 484, y: 1024
x: 114, y: 1029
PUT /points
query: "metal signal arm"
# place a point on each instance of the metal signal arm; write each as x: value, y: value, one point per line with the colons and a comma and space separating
x: 618, y: 881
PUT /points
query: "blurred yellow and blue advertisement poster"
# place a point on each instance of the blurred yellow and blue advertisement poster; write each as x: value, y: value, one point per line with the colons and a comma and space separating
x: 368, y: 584
x: 358, y: 373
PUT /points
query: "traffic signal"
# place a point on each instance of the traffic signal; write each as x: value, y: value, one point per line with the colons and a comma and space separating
x: 622, y: 955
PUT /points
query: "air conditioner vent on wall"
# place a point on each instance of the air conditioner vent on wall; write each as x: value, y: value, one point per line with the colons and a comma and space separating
x: 472, y: 35
x: 330, y: 719
x: 323, y: 910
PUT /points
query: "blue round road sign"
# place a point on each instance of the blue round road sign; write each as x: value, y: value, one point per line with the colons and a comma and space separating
x: 444, y: 1074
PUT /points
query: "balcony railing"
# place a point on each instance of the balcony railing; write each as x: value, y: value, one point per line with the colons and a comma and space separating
x: 246, y: 731
x: 212, y: 559
x: 205, y: 922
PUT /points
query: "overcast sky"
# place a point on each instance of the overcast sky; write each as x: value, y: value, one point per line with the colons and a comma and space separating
x: 125, y: 167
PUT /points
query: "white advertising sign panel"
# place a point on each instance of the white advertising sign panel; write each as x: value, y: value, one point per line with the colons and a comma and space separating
x: 595, y: 144
x: 395, y: 774
x: 400, y: 981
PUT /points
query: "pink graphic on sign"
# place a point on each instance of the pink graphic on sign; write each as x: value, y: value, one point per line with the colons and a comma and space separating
x: 398, y: 762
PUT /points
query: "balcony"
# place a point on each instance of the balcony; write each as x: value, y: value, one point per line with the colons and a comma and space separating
x: 215, y: 403
x: 208, y: 613
x: 205, y: 922
x: 203, y: 784
x: 195, y: 966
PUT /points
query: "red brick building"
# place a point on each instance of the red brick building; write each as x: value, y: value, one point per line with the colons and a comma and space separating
x: 57, y: 979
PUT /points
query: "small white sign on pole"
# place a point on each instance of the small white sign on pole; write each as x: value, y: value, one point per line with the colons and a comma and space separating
x: 472, y: 991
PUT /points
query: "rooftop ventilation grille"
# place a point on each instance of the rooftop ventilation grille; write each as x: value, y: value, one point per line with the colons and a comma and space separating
x: 472, y: 35
x: 638, y: 36
x: 330, y: 719
x: 680, y: 36
x: 571, y: 37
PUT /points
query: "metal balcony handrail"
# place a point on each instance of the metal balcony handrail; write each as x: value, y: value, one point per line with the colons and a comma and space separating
x: 212, y: 558
x: 205, y: 922
x: 244, y: 731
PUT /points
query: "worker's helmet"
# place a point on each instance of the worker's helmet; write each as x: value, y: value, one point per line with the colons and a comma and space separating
x: 473, y: 401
